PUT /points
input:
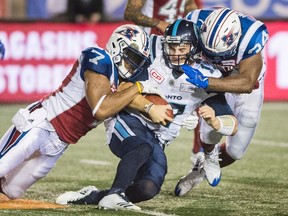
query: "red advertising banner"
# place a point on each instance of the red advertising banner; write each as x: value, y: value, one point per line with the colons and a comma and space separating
x: 276, y: 52
x: 39, y: 55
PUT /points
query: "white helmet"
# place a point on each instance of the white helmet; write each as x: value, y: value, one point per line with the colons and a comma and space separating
x: 129, y: 48
x: 220, y: 34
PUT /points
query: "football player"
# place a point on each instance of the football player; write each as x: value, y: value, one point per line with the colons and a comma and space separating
x: 41, y: 132
x: 232, y: 42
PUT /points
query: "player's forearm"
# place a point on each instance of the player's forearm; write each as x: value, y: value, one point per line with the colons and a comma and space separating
x: 115, y: 102
x: 233, y: 84
x: 142, y: 20
x: 133, y: 13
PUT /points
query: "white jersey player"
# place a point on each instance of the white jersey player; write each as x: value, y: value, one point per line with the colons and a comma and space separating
x: 41, y: 132
x: 232, y: 42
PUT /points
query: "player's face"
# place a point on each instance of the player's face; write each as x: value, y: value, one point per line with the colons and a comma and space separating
x: 178, y: 52
x: 132, y: 61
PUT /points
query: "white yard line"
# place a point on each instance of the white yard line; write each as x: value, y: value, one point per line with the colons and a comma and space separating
x: 155, y: 213
x: 270, y: 143
x: 95, y: 162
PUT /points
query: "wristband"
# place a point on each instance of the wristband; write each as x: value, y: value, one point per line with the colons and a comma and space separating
x: 227, y: 124
x: 139, y: 87
x: 148, y: 107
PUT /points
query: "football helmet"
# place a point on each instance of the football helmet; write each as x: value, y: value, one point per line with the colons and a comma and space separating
x: 179, y: 43
x: 220, y: 34
x: 129, y: 48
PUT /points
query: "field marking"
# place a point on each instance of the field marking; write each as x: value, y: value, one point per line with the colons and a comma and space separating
x: 95, y: 162
x: 270, y: 143
x: 155, y: 213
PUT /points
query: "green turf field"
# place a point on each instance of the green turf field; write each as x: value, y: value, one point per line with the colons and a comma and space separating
x: 256, y: 185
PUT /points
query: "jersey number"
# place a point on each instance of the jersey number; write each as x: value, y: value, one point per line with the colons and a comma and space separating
x: 98, y: 57
x: 169, y: 10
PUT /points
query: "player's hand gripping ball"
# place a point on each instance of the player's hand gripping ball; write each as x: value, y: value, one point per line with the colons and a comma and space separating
x: 158, y: 100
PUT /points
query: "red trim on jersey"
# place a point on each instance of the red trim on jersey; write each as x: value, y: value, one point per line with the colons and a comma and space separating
x: 74, y: 123
x: 158, y: 5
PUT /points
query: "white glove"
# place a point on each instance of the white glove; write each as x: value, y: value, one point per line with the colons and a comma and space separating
x: 149, y: 88
x: 191, y: 121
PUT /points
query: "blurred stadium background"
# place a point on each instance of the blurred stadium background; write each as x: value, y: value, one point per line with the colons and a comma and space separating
x: 40, y: 46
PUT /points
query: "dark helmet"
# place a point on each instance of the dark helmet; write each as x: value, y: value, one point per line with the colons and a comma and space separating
x: 180, y: 35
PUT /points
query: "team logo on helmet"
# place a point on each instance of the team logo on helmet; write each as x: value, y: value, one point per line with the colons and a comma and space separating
x: 132, y: 35
x: 230, y: 37
x: 129, y: 33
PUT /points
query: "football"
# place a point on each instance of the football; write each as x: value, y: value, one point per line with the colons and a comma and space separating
x: 158, y: 100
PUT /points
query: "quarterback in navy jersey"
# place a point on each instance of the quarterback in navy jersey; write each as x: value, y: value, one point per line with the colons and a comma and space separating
x: 232, y: 42
x: 42, y: 132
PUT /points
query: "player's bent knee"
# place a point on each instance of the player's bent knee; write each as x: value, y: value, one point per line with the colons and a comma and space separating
x: 149, y: 190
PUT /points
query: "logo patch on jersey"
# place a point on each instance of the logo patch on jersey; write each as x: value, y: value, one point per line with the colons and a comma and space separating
x: 156, y: 76
x: 185, y: 87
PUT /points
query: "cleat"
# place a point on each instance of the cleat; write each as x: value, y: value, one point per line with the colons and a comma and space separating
x: 193, y: 178
x: 85, y: 196
x: 212, y: 168
x: 117, y: 201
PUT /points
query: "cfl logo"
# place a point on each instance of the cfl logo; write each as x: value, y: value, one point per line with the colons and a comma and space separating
x: 156, y: 76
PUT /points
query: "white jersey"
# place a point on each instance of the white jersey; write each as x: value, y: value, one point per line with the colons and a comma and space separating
x: 184, y: 97
x: 67, y: 106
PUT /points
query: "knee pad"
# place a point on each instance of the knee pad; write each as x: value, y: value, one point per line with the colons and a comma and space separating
x: 249, y: 118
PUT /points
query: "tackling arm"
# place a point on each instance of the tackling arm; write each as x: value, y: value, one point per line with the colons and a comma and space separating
x: 157, y: 113
x: 101, y: 100
x: 244, y: 81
